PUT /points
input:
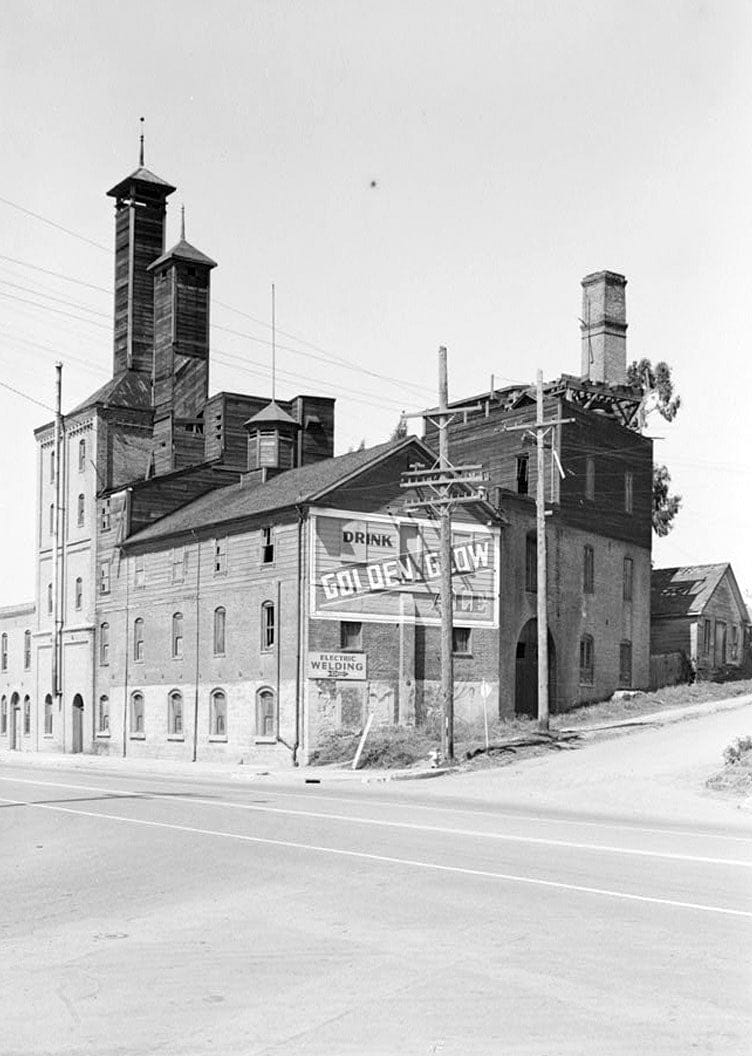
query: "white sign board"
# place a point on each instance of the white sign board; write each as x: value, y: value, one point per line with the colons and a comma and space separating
x: 342, y: 666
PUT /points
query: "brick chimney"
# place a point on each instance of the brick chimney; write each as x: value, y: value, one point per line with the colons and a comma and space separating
x: 603, y: 326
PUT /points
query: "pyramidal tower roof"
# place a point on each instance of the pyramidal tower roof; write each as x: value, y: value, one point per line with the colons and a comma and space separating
x: 272, y: 414
x: 142, y: 176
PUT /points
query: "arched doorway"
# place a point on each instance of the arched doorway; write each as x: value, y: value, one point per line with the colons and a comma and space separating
x: 77, y: 744
x: 14, y: 739
x: 526, y: 672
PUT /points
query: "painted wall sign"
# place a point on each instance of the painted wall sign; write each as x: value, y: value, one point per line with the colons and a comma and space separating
x: 347, y: 666
x: 386, y: 569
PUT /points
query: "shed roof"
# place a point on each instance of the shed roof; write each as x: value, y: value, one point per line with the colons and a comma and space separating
x: 684, y: 591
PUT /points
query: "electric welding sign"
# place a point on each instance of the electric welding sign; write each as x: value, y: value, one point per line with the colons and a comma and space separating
x: 343, y: 666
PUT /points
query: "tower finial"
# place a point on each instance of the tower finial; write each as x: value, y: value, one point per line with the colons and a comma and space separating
x: 274, y: 344
x: 182, y: 223
x: 141, y: 144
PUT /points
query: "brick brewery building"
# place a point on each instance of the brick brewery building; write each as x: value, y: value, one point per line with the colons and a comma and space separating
x: 227, y: 589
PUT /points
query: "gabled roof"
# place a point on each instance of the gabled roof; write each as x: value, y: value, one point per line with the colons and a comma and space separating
x: 141, y: 175
x: 183, y: 250
x: 294, y: 487
x: 687, y: 591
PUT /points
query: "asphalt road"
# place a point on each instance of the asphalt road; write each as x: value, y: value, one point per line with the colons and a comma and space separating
x: 169, y: 915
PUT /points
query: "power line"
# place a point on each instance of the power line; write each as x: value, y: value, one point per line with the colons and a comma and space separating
x: 54, y: 223
x: 57, y: 311
x: 56, y: 274
x: 26, y: 396
x: 58, y: 300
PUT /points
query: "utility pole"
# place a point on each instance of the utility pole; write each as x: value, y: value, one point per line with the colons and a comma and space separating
x: 440, y: 489
x: 57, y: 674
x: 540, y: 428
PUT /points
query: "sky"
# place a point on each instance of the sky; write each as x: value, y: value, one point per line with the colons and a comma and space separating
x: 408, y: 174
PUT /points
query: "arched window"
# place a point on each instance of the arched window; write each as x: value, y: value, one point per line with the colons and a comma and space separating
x: 48, y: 716
x: 266, y: 714
x: 218, y: 714
x: 27, y: 650
x: 52, y: 467
x: 175, y: 714
x: 81, y: 456
x: 587, y: 660
x: 104, y: 643
x: 49, y: 597
x: 220, y: 620
x: 3, y: 715
x: 4, y: 652
x: 177, y: 635
x: 81, y: 508
x: 137, y: 714
x: 52, y: 518
x: 26, y: 716
x: 138, y: 639
x: 267, y: 625
x: 79, y: 596
x: 103, y: 715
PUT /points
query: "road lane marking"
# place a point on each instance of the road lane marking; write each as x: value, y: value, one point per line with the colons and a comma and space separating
x: 365, y: 856
x: 443, y: 809
x: 410, y: 826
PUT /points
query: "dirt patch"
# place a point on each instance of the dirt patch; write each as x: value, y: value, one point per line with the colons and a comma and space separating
x: 632, y: 705
x: 736, y: 776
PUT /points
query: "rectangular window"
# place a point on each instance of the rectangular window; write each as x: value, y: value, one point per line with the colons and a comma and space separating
x: 720, y: 634
x: 27, y: 651
x: 104, y: 515
x: 139, y: 572
x: 590, y: 478
x: 523, y: 478
x: 461, y: 641
x: 588, y: 570
x: 267, y: 546
x: 628, y: 492
x: 734, y: 642
x: 625, y: 665
x: 179, y: 563
x: 350, y: 635
x: 138, y: 640
x: 104, y: 644
x: 707, y: 637
x: 104, y: 577
x: 587, y: 660
x: 220, y: 557
x: 531, y: 564
x: 628, y: 586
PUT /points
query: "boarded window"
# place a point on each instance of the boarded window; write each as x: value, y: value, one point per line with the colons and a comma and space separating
x: 138, y: 639
x: 707, y: 637
x: 137, y: 713
x: 531, y: 564
x: 79, y: 594
x: 628, y: 492
x: 218, y: 714
x: 104, y: 643
x: 220, y: 622
x: 265, y: 714
x: 4, y: 652
x: 734, y: 642
x: 590, y: 478
x: 103, y: 715
x: 175, y: 714
x: 81, y: 456
x: 49, y: 597
x: 48, y: 716
x: 587, y: 660
x: 177, y: 635
x: 625, y: 665
x: 628, y: 586
x: 27, y: 650
x: 26, y: 716
x: 588, y: 570
x: 81, y: 511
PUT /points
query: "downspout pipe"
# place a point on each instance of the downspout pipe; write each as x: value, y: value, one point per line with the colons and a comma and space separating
x: 198, y: 642
x: 299, y: 636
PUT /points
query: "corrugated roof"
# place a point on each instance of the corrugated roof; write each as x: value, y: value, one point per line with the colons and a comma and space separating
x: 683, y: 591
x: 140, y: 175
x: 183, y: 250
x: 288, y: 489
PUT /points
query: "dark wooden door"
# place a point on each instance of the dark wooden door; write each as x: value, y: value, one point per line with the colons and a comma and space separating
x: 526, y: 672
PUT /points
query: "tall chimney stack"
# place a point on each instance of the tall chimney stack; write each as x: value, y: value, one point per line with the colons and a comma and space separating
x: 604, y: 328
